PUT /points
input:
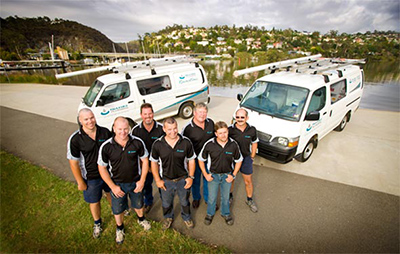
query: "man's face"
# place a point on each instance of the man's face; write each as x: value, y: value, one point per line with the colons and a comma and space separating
x: 171, y: 130
x: 147, y: 116
x: 222, y: 134
x: 241, y: 117
x: 121, y: 128
x: 200, y: 114
x: 87, y: 120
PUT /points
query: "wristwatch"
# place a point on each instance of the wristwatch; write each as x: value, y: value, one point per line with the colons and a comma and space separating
x: 191, y: 177
x: 234, y: 177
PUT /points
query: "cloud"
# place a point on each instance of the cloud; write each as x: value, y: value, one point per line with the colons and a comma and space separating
x: 123, y: 20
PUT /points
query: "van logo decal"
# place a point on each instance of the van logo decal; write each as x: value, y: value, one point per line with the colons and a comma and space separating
x: 105, y: 112
x: 186, y: 78
x: 310, y: 126
x: 112, y: 110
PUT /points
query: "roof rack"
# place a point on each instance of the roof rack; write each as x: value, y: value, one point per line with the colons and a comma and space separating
x: 125, y: 67
x: 312, y: 65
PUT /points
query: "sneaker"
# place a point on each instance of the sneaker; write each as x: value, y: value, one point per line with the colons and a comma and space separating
x: 97, y: 230
x: 189, y: 223
x: 167, y: 223
x: 147, y: 208
x: 252, y: 205
x: 228, y: 220
x: 208, y: 219
x: 120, y: 235
x: 230, y: 200
x: 145, y: 224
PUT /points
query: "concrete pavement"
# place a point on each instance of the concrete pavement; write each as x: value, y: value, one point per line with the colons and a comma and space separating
x: 296, y: 213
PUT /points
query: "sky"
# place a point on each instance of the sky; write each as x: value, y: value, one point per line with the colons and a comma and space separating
x: 123, y: 20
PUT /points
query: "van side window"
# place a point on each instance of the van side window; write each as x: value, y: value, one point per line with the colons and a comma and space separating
x: 154, y: 85
x: 318, y: 100
x: 115, y: 92
x: 338, y: 91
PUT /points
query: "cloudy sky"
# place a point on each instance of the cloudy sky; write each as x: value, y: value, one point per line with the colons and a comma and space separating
x: 123, y: 20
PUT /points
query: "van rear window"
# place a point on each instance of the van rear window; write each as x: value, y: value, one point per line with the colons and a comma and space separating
x: 154, y: 85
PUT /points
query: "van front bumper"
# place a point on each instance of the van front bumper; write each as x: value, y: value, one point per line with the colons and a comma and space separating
x: 275, y: 153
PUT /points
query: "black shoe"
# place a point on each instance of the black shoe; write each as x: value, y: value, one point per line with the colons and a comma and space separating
x: 196, y: 204
x: 147, y: 208
x: 228, y: 220
x: 208, y: 219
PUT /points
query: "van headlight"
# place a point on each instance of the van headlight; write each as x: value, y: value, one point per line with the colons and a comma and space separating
x: 287, y: 142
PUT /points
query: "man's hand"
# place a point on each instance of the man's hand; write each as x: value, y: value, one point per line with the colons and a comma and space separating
x: 160, y: 184
x: 117, y: 191
x: 229, y: 178
x: 209, y: 177
x: 82, y: 186
x: 189, y: 182
x: 139, y: 186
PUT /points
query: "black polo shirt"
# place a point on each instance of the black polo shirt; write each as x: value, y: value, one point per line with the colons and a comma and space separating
x: 84, y: 149
x: 124, y: 165
x: 220, y: 159
x: 148, y: 137
x: 245, y: 138
x: 172, y: 160
x: 197, y: 135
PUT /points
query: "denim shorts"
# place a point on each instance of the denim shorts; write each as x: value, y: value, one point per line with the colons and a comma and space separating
x: 247, y: 166
x: 94, y: 190
x: 119, y: 205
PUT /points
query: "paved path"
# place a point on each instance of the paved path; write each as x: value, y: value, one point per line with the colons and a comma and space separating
x: 297, y: 213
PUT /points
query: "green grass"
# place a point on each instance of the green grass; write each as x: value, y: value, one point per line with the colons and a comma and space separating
x: 41, y: 213
x: 26, y: 78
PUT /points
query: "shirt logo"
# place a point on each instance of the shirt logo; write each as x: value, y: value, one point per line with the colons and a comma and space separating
x: 180, y: 151
x: 247, y: 136
x: 154, y: 137
x: 102, y: 140
x: 131, y: 152
x: 209, y: 132
x: 228, y: 153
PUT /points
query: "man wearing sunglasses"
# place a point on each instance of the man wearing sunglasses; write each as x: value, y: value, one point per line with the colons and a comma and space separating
x: 246, y: 136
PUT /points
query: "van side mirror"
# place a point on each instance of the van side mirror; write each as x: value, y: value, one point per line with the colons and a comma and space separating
x: 312, y: 116
x: 100, y: 103
x: 239, y: 97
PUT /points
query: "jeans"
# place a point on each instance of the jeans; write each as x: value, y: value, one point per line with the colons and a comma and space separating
x: 148, y: 190
x: 218, y: 182
x: 168, y: 199
x: 198, y: 175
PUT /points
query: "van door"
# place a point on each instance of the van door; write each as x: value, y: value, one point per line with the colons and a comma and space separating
x: 338, y: 92
x: 159, y: 92
x: 115, y: 100
x: 318, y: 103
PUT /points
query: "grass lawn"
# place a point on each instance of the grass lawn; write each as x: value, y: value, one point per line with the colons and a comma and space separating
x: 42, y: 213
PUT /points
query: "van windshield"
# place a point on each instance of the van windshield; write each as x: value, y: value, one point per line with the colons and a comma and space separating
x: 92, y: 93
x: 277, y: 100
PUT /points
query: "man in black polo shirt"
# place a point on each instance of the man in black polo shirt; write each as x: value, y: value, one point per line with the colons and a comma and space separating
x: 148, y: 130
x: 199, y: 130
x: 83, y: 150
x: 172, y: 152
x: 222, y: 151
x: 126, y: 177
x: 246, y: 136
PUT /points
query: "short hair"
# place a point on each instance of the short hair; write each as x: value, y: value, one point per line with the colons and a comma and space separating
x: 84, y: 110
x: 146, y: 105
x: 122, y: 118
x: 200, y: 105
x: 219, y: 125
x: 245, y: 111
x: 169, y: 120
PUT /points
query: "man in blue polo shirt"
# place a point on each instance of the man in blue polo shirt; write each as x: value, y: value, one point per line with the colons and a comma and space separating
x: 126, y: 177
x: 83, y: 150
x: 220, y: 152
x: 172, y: 161
x: 199, y: 130
x: 148, y: 130
x: 246, y: 136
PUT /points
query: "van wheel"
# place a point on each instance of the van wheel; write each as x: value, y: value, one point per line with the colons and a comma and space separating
x: 343, y: 123
x: 186, y: 110
x: 307, y: 152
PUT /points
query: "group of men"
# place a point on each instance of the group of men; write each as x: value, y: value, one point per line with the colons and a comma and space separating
x: 125, y: 163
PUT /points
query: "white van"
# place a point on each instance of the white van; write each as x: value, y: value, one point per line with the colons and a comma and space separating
x: 172, y: 87
x: 293, y: 109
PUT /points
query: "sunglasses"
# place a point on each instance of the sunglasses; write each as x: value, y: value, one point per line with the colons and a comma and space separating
x: 240, y: 117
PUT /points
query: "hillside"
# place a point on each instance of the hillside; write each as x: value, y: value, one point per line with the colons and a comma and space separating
x: 22, y: 35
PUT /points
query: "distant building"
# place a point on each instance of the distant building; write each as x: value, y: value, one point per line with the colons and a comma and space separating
x: 62, y: 53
